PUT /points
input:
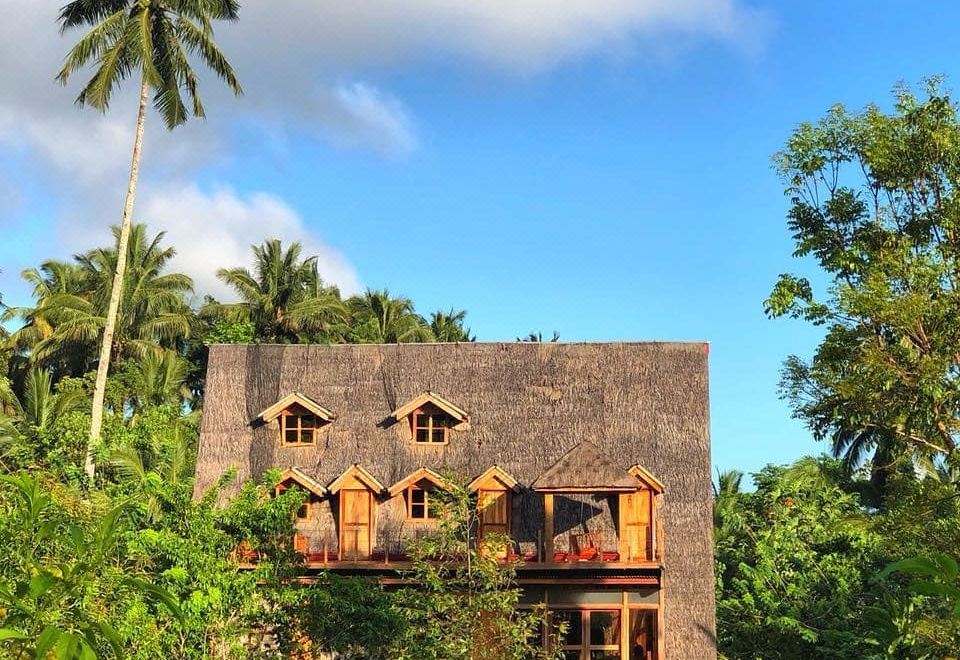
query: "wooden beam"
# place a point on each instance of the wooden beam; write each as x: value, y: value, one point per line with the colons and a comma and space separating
x: 622, y: 546
x: 548, y: 526
x: 624, y: 626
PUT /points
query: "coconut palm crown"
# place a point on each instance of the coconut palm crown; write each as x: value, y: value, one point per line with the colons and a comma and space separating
x: 154, y: 38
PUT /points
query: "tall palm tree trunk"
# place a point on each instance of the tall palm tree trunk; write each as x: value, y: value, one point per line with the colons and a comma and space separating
x: 103, y: 365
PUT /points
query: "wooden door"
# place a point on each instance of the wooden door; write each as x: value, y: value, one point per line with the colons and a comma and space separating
x: 355, y: 522
x: 635, y: 525
x: 494, y: 508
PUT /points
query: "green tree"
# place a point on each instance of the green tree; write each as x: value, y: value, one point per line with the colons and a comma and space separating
x: 284, y: 298
x: 465, y: 601
x: 42, y: 407
x: 155, y: 40
x: 158, y: 378
x: 449, y: 326
x: 794, y: 566
x: 52, y: 282
x: 60, y: 574
x: 71, y: 302
x: 919, y: 617
x: 874, y: 202
x: 537, y: 337
x: 378, y: 318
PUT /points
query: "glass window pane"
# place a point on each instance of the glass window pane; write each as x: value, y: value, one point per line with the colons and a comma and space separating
x: 423, y: 435
x: 418, y: 496
x: 573, y: 618
x: 571, y: 655
x: 418, y: 511
x: 604, y: 655
x: 604, y: 628
x: 307, y: 436
x: 438, y: 435
x: 307, y: 422
x: 302, y: 511
x: 292, y: 436
x: 643, y: 636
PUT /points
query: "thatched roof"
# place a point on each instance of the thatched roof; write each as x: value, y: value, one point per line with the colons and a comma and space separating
x: 585, y: 468
x: 529, y: 404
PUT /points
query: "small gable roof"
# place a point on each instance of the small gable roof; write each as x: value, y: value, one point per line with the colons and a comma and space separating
x: 430, y: 397
x: 295, y: 398
x: 300, y: 477
x: 644, y: 475
x: 585, y: 468
x: 418, y: 475
x: 357, y: 472
x: 498, y: 474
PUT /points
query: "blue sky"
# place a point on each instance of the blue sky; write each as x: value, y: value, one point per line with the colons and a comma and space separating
x: 608, y: 180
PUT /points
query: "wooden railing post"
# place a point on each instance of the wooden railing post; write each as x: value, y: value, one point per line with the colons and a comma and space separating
x: 548, y: 526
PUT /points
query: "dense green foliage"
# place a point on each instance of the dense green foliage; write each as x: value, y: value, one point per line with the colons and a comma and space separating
x: 857, y: 556
x: 849, y: 556
x: 874, y: 201
x: 133, y: 565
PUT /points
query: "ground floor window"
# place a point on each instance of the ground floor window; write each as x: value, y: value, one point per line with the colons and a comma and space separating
x: 597, y: 634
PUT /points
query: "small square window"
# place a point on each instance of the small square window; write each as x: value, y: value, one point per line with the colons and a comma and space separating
x: 430, y: 427
x: 298, y: 429
x: 418, y: 504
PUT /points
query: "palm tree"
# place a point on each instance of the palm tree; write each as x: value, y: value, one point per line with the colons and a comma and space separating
x: 158, y: 378
x: 537, y: 337
x: 157, y: 476
x: 448, y: 326
x: 376, y: 318
x: 52, y: 282
x: 40, y: 407
x: 153, y: 38
x: 154, y: 308
x: 284, y: 297
x: 72, y: 301
x: 727, y: 518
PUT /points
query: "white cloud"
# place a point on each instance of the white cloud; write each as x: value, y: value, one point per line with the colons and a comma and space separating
x: 288, y: 54
x: 519, y: 35
x: 213, y: 230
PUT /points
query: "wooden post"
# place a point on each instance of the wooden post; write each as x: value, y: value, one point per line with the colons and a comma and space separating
x: 548, y: 526
x: 624, y: 626
x: 539, y: 546
x: 622, y: 546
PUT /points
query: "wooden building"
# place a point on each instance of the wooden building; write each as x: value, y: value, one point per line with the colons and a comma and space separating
x: 594, y: 458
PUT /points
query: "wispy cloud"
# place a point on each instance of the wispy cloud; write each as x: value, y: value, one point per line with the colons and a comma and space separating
x: 290, y: 55
x: 215, y: 229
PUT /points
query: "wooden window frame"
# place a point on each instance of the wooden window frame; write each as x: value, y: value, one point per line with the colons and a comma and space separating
x: 624, y: 610
x: 285, y: 425
x: 430, y: 413
x: 305, y: 509
x: 427, y: 517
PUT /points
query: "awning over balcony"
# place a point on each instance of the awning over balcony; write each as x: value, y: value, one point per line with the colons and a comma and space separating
x: 586, y: 469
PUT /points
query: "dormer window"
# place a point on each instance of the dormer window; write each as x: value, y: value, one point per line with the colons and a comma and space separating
x: 418, y: 490
x: 298, y: 429
x: 431, y: 419
x: 299, y: 418
x: 431, y: 425
x: 418, y: 504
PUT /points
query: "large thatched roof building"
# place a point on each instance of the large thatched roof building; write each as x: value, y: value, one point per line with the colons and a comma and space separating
x: 594, y: 457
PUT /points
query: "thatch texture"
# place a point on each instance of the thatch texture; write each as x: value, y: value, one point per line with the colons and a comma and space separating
x: 584, y: 467
x: 528, y: 403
